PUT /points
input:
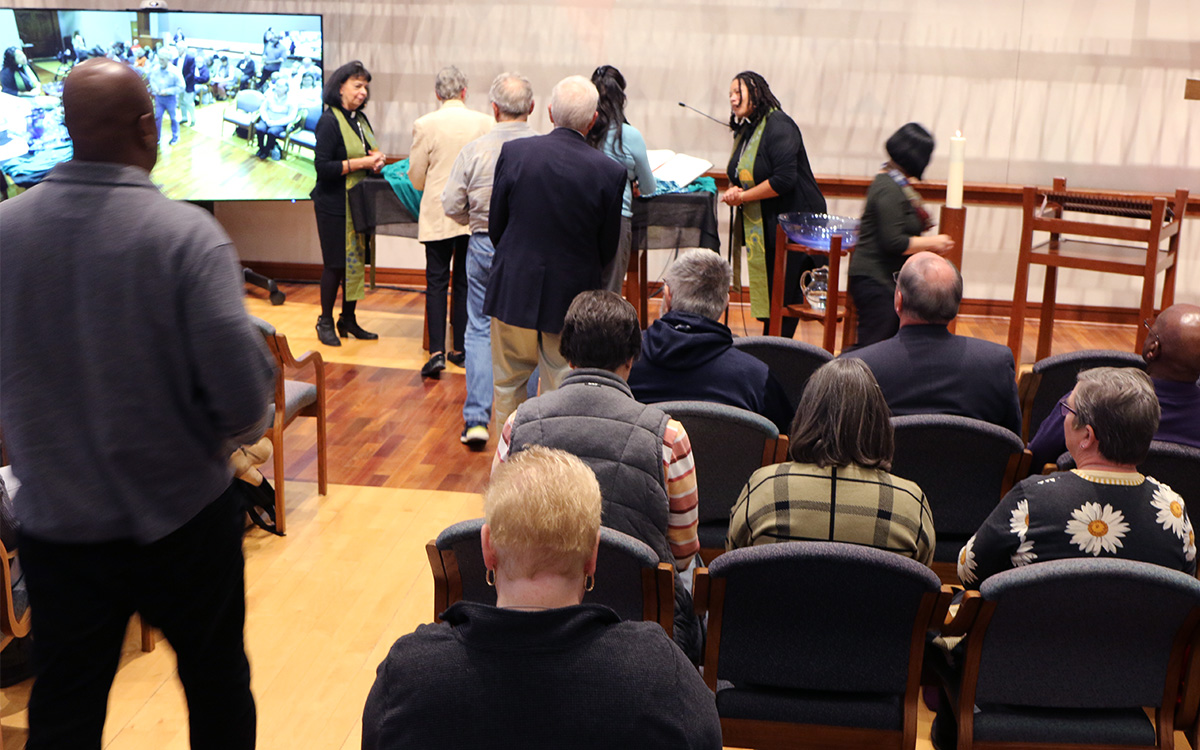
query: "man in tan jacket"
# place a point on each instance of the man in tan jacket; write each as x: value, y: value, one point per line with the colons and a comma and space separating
x: 437, y: 139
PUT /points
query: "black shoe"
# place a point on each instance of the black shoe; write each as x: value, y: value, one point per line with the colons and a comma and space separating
x: 325, y: 332
x: 457, y: 358
x: 433, y: 368
x: 347, y: 325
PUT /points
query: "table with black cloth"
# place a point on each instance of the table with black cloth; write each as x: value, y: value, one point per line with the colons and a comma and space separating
x: 670, y: 221
x: 376, y: 209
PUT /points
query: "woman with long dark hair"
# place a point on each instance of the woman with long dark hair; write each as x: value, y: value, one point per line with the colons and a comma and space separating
x: 346, y: 150
x: 769, y: 175
x: 836, y: 488
x: 612, y: 134
x: 16, y: 77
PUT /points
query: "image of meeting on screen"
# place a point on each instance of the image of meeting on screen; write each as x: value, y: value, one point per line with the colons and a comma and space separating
x: 236, y: 95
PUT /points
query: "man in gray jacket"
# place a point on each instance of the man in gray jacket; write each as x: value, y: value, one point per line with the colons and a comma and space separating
x: 130, y: 370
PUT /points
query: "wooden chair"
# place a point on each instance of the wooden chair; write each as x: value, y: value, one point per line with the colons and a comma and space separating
x: 817, y: 644
x: 1071, y: 653
x: 629, y: 577
x: 1140, y: 253
x: 835, y: 309
x: 964, y: 466
x: 293, y: 398
x: 728, y: 444
x: 11, y: 626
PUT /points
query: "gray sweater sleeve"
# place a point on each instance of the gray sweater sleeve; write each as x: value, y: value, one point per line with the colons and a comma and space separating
x: 234, y: 373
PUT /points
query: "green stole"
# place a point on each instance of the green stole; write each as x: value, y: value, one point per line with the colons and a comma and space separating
x: 357, y: 246
x: 752, y: 226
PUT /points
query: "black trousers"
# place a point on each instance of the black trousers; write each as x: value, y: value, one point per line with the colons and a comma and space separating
x: 439, y: 255
x: 190, y: 584
x: 876, y: 307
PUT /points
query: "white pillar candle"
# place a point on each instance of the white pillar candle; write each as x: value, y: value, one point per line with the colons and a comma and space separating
x: 954, y: 183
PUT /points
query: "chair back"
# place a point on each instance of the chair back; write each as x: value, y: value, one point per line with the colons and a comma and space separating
x: 1175, y: 465
x: 963, y: 465
x: 818, y: 616
x: 629, y: 577
x: 728, y: 444
x: 310, y: 121
x: 248, y: 100
x: 1054, y: 377
x: 791, y: 362
x: 1081, y: 633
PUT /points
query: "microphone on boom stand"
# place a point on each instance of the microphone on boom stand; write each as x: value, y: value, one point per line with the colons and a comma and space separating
x: 704, y: 114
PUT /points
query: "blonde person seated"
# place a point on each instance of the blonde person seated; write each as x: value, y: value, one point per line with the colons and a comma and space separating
x: 539, y: 669
x: 841, y: 445
x: 275, y: 116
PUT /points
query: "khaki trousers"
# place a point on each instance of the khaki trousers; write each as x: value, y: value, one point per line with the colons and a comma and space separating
x: 516, y: 352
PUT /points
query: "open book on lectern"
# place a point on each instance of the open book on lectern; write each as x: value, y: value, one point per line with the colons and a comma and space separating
x: 678, y: 168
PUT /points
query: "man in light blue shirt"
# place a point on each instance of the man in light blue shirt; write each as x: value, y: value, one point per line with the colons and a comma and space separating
x: 166, y: 84
x: 466, y: 199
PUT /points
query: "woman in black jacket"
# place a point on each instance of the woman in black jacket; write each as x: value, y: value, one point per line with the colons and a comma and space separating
x: 769, y: 175
x: 346, y: 150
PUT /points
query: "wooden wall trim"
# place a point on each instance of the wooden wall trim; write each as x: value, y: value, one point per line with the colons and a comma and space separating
x: 415, y: 277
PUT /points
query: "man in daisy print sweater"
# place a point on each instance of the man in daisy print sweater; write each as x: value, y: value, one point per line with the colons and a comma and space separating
x: 1103, y: 508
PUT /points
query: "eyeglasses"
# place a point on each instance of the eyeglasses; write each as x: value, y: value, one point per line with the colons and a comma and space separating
x: 1150, y: 328
x: 1067, y: 406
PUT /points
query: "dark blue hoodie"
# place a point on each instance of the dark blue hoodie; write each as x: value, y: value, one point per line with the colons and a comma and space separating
x: 688, y: 357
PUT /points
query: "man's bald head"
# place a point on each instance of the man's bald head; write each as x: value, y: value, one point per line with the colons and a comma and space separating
x: 1172, y: 349
x: 108, y: 113
x: 928, y: 290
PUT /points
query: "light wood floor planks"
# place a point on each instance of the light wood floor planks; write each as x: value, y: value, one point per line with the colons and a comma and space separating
x: 325, y: 603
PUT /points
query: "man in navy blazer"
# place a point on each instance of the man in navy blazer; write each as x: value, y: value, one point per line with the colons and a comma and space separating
x: 555, y: 219
x: 925, y: 369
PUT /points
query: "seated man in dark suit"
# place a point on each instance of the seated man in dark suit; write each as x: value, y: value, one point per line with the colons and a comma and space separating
x: 925, y: 369
x: 1172, y: 354
x: 555, y: 220
x: 688, y: 354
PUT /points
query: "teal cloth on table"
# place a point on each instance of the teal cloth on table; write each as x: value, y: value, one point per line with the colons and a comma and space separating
x: 700, y: 184
x: 396, y: 174
x: 31, y: 168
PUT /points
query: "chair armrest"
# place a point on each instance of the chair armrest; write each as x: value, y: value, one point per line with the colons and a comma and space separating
x: 968, y: 610
x: 700, y: 591
x: 941, y: 607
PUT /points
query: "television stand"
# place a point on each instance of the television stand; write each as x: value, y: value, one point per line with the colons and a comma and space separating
x: 257, y: 279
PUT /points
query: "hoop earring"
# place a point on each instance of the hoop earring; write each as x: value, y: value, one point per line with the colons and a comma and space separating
x: 589, y: 582
x: 490, y: 577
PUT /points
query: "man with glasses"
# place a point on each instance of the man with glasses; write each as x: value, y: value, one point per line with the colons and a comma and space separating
x: 1172, y: 354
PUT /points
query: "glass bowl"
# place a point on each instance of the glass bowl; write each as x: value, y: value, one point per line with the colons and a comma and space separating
x: 816, y: 231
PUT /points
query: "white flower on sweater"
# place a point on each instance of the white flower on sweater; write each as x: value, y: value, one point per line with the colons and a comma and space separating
x: 966, y: 562
x: 1019, y: 523
x: 1171, y: 511
x: 1094, y: 529
x: 1024, y: 554
x: 1189, y: 542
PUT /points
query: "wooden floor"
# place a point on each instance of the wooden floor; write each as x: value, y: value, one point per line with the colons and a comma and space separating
x: 326, y: 602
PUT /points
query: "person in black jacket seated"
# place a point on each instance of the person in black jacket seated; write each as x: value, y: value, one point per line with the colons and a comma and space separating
x: 346, y: 150
x: 688, y: 354
x: 539, y: 669
x: 16, y: 77
x: 769, y: 175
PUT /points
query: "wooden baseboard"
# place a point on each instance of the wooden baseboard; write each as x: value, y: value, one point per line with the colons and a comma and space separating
x: 415, y: 277
x: 285, y: 271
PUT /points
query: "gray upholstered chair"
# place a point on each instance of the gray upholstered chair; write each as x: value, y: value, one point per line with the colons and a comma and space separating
x: 1175, y: 465
x: 964, y: 466
x: 1071, y: 652
x: 306, y: 134
x: 293, y: 398
x: 244, y: 112
x: 791, y: 362
x: 629, y: 578
x: 817, y: 644
x: 1054, y: 377
x: 728, y: 444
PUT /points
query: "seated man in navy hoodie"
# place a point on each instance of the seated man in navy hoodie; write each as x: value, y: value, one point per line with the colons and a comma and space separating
x: 688, y: 354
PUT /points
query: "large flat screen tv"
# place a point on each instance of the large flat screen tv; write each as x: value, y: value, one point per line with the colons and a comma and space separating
x: 214, y: 158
